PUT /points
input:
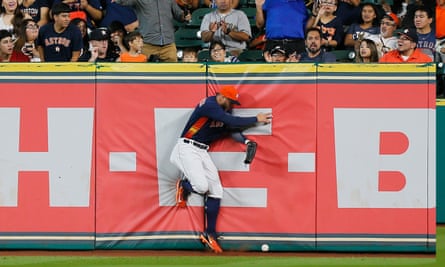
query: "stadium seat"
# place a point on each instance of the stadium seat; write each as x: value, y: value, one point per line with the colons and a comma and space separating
x: 344, y: 55
x: 198, y: 15
x: 203, y: 55
x: 187, y: 37
x: 251, y: 56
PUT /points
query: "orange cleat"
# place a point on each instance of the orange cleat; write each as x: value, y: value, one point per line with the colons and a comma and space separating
x: 210, y: 242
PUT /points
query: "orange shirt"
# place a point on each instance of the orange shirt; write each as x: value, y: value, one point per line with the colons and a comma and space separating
x: 126, y: 57
x: 440, y: 22
x: 394, y: 57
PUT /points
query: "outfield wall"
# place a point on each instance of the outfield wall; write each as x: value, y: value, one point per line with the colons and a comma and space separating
x: 348, y: 163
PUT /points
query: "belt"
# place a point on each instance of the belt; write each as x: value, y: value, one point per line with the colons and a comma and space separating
x: 284, y: 41
x: 195, y: 143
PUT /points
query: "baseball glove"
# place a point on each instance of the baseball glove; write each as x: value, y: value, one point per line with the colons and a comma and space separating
x: 250, y: 152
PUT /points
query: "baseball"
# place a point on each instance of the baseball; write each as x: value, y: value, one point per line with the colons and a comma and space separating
x: 264, y: 247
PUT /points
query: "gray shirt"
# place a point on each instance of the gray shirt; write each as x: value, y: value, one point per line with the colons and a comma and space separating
x: 156, y: 19
x: 237, y: 21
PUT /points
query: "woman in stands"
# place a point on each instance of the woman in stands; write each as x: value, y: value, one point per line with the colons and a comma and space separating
x: 369, y: 24
x: 25, y: 49
x: 367, y: 52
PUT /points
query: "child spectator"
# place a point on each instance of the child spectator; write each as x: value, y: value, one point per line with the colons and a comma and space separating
x: 134, y: 43
x: 190, y: 54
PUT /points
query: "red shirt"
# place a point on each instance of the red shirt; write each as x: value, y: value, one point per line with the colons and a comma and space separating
x: 394, y: 57
x: 17, y: 56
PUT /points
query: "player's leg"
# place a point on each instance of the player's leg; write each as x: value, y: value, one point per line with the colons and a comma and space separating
x: 212, y: 205
x: 188, y: 159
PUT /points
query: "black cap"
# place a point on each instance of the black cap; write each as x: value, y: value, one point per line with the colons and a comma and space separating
x: 410, y: 33
x: 99, y: 34
x: 278, y: 49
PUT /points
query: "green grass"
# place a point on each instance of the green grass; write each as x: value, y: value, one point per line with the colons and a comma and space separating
x: 228, y: 261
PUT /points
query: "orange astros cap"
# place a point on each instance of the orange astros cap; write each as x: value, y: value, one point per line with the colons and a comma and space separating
x: 231, y: 93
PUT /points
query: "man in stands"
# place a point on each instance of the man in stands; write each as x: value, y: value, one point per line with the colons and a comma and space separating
x: 407, y: 51
x: 59, y: 41
x: 228, y: 25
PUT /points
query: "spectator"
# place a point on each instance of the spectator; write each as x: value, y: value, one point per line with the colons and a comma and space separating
x: 134, y: 43
x: 212, y: 3
x: 117, y: 35
x: 367, y: 52
x: 228, y: 25
x: 440, y: 19
x: 115, y: 12
x: 98, y: 47
x: 89, y: 10
x: 259, y: 42
x: 423, y: 18
x: 10, y: 15
x: 440, y: 30
x: 58, y: 40
x: 7, y: 52
x: 276, y: 55
x: 190, y: 55
x: 314, y: 52
x: 38, y: 10
x: 218, y: 53
x: 323, y: 17
x: 156, y: 26
x: 385, y: 41
x: 25, y: 46
x: 406, y: 51
x: 284, y: 22
x: 368, y: 24
x: 348, y: 11
x: 82, y: 25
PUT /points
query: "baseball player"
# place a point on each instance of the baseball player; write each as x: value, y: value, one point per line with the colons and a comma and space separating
x: 211, y: 120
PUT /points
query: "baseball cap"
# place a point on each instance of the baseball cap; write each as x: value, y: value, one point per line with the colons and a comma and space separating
x: 410, y: 33
x: 278, y: 49
x: 99, y: 34
x: 393, y: 17
x: 230, y: 92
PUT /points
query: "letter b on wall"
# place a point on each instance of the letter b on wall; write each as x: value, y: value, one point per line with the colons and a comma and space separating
x: 378, y: 172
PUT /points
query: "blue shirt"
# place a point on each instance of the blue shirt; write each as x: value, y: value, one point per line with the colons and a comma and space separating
x: 218, y: 123
x: 285, y: 19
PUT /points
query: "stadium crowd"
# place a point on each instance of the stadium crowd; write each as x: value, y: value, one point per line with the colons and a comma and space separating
x: 247, y: 30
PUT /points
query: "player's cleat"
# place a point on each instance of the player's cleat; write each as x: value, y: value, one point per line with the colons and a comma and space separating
x: 181, y: 194
x: 210, y: 242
